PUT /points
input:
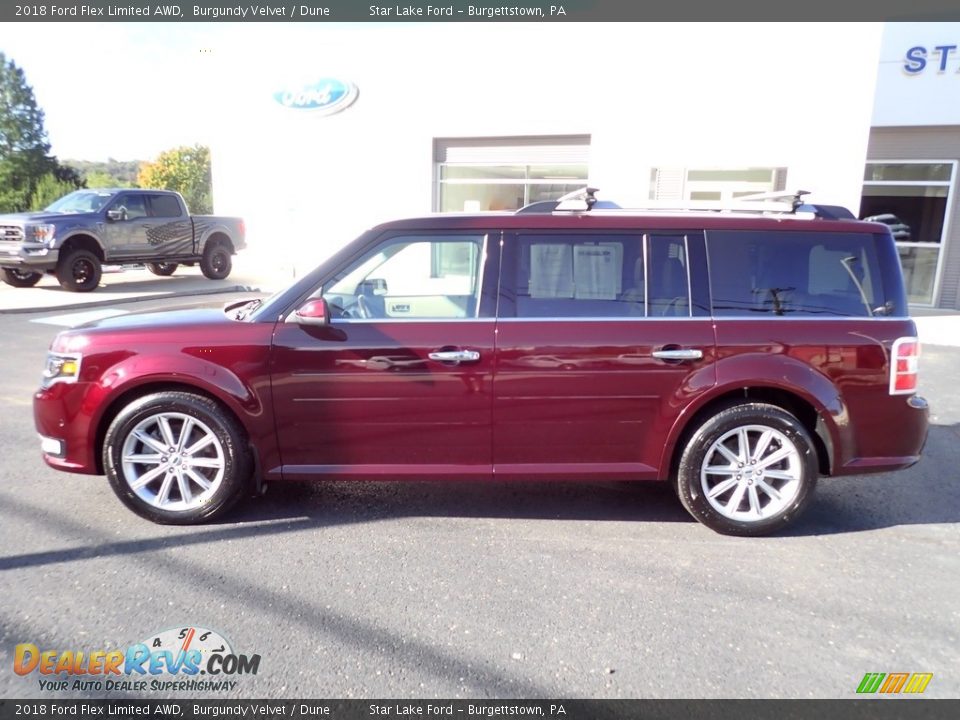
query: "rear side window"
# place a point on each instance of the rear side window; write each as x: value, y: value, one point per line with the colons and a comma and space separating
x: 817, y: 274
x: 598, y: 276
x: 164, y: 206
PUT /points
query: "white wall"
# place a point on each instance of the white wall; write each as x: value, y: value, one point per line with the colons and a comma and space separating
x: 928, y: 96
x: 700, y: 95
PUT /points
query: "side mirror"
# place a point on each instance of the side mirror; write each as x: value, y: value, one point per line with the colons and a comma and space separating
x: 115, y: 215
x: 313, y: 312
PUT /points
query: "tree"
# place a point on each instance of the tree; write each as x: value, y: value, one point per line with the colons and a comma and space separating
x: 24, y: 150
x: 184, y: 169
x: 100, y: 179
x: 109, y: 173
x: 48, y: 189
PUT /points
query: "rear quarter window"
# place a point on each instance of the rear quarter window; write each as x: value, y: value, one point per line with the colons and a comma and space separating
x: 164, y: 206
x: 802, y: 274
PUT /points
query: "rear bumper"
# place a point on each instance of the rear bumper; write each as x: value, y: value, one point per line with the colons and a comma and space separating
x: 906, y: 446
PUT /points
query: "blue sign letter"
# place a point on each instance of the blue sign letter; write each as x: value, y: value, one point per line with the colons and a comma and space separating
x: 945, y: 51
x: 916, y: 60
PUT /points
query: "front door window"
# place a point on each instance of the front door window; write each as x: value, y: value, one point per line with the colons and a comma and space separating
x: 411, y: 278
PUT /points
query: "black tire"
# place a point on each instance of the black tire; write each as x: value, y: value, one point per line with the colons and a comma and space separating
x: 772, y: 493
x: 21, y: 278
x: 225, y: 458
x: 79, y: 271
x: 162, y: 269
x: 216, y: 262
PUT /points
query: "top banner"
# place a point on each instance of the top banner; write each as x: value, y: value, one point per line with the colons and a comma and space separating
x: 320, y: 11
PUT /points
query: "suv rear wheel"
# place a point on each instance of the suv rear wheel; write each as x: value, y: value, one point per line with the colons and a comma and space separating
x: 748, y: 470
x: 79, y: 271
x: 21, y: 278
x: 216, y: 262
x: 176, y: 458
x: 162, y: 269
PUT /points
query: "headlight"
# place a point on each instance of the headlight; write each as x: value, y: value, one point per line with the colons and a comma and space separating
x: 61, y: 367
x: 40, y: 233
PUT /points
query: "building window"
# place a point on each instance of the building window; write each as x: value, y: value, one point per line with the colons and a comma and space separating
x: 714, y: 183
x: 912, y: 198
x: 489, y: 174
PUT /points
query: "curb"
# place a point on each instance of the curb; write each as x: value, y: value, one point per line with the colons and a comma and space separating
x: 124, y: 300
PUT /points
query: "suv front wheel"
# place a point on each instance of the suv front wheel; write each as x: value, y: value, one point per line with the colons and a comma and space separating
x: 748, y: 470
x: 20, y: 278
x: 79, y: 271
x: 176, y: 458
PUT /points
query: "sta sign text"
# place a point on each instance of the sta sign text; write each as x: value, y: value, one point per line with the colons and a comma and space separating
x: 917, y: 58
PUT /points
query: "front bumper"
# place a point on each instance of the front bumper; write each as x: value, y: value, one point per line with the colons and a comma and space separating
x: 28, y: 256
x: 59, y: 417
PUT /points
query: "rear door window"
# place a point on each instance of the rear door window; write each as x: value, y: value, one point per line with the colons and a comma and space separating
x: 165, y: 206
x: 818, y: 274
x: 595, y: 275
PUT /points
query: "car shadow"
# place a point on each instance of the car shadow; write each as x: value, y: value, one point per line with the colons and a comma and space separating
x: 129, y: 283
x: 331, y: 502
x: 925, y: 494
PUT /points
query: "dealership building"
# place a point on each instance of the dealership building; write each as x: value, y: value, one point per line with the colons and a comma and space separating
x: 327, y: 132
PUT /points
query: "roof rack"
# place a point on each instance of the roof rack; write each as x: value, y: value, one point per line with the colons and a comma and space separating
x: 780, y: 202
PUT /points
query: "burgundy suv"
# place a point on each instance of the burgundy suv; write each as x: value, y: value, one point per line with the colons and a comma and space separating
x: 737, y: 355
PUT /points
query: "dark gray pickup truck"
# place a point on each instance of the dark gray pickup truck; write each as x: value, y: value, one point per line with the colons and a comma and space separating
x: 77, y: 234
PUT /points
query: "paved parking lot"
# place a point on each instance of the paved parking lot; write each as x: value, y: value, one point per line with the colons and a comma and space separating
x: 487, y: 589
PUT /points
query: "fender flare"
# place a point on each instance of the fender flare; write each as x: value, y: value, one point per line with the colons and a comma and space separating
x: 742, y: 372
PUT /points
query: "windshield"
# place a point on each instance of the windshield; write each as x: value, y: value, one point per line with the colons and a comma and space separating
x: 81, y: 201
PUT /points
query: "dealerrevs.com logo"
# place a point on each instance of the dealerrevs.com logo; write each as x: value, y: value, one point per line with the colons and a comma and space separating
x: 179, y: 659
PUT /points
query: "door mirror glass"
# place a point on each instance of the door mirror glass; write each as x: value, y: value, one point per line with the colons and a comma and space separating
x: 313, y: 312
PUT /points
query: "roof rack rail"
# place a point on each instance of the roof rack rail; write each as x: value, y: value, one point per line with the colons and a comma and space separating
x: 779, y: 202
x: 578, y: 200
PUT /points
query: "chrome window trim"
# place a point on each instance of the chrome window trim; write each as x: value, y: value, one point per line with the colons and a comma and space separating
x: 377, y: 321
x: 704, y: 318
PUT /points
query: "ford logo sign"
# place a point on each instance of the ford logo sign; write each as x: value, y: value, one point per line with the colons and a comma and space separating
x: 325, y: 96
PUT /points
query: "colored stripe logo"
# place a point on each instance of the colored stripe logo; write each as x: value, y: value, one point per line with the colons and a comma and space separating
x: 894, y: 683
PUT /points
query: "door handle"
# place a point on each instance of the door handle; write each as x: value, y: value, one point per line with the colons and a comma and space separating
x: 689, y: 354
x: 454, y: 356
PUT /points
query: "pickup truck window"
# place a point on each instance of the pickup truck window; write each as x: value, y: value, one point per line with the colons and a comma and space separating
x: 164, y: 206
x: 81, y: 201
x: 132, y: 206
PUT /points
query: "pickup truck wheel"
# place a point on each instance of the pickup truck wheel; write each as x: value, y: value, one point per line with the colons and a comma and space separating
x: 750, y: 469
x: 79, y: 271
x: 216, y: 262
x: 162, y: 269
x: 176, y: 458
x: 20, y: 278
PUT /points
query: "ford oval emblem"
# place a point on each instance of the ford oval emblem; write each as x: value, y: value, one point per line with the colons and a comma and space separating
x: 325, y: 96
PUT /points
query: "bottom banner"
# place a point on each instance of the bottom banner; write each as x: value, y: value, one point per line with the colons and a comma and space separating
x: 879, y: 709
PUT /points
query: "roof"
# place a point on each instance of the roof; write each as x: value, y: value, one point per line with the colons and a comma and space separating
x: 631, y: 220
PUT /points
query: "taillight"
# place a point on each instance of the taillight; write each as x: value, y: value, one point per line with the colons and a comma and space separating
x: 903, y: 366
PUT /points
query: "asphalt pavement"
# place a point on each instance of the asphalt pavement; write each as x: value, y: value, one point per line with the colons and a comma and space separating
x: 483, y: 590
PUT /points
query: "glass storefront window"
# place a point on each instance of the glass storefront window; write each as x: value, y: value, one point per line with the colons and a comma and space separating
x: 912, y: 199
x: 919, y: 272
x: 918, y: 211
x: 719, y: 184
x: 480, y: 188
x: 880, y: 172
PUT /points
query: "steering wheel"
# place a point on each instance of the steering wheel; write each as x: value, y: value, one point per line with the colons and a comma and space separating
x: 363, y: 307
